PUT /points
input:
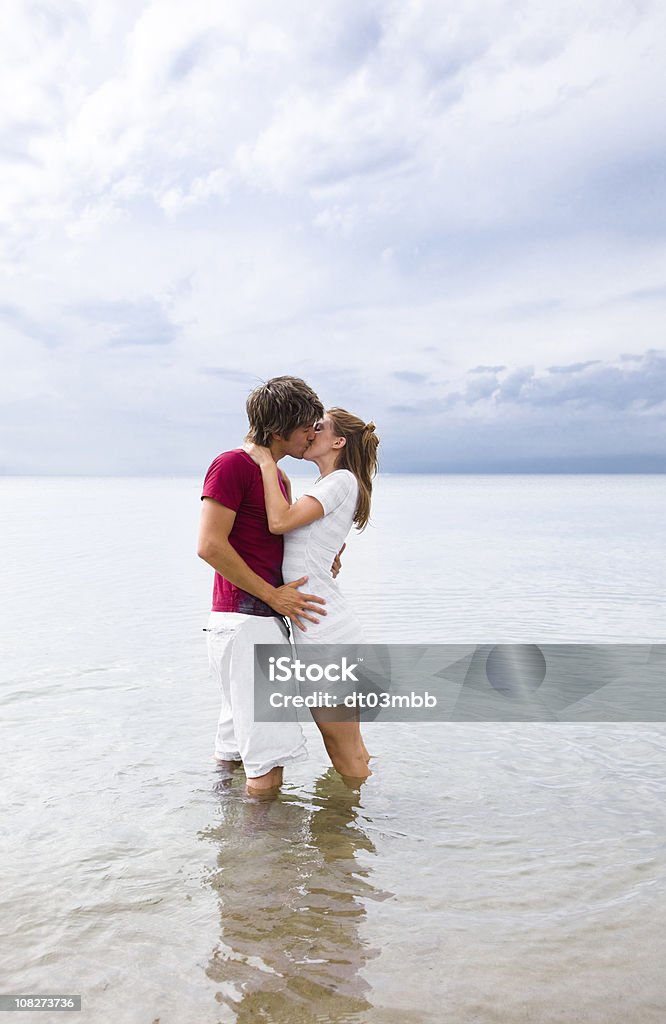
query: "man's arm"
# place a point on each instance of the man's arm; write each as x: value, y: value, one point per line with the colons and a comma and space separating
x: 214, y: 548
x: 287, y: 484
x: 337, y: 562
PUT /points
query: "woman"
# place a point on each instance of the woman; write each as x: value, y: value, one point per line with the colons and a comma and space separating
x: 315, y: 528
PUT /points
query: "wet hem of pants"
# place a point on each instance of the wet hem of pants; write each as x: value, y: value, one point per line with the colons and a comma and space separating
x: 280, y: 762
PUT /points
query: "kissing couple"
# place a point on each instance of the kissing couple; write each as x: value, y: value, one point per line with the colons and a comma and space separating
x: 256, y: 538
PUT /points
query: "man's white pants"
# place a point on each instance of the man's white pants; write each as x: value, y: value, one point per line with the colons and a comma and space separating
x: 259, y: 745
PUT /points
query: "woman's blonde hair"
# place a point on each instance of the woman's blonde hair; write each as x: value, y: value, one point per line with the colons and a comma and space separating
x: 358, y: 455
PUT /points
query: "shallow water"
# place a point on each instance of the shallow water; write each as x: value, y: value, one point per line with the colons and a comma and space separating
x: 485, y: 873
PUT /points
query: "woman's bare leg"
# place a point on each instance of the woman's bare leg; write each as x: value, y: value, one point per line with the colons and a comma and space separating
x: 345, y: 747
x: 366, y: 755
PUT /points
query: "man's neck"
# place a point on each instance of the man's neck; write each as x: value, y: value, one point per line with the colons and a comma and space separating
x: 276, y: 450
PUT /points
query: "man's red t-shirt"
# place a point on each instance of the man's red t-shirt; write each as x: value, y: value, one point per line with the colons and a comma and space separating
x: 235, y: 481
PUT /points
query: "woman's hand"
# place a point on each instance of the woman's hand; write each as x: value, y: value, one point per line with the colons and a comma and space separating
x: 262, y: 456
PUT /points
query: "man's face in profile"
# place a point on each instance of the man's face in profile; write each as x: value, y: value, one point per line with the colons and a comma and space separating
x: 298, y: 442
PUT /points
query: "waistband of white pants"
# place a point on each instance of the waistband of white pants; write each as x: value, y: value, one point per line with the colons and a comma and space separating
x: 236, y: 618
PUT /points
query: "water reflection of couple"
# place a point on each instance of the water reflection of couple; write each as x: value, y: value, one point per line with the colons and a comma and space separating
x: 246, y: 512
x: 290, y: 938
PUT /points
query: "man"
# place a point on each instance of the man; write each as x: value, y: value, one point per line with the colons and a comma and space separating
x: 250, y: 599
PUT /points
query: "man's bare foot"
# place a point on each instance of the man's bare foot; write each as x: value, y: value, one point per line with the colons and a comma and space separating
x: 262, y: 794
x: 267, y: 786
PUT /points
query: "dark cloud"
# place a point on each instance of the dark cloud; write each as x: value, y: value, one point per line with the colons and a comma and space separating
x: 516, y: 386
x: 189, y: 57
x: 644, y: 295
x: 410, y: 377
x: 405, y: 410
x: 573, y: 367
x: 481, y: 387
x: 425, y: 408
x: 538, y: 424
x: 21, y: 321
x: 236, y: 376
x: 374, y: 159
x: 590, y: 383
x: 357, y: 36
x: 592, y: 387
x: 586, y: 417
x: 131, y: 323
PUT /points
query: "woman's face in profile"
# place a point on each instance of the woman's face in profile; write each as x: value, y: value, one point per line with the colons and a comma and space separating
x: 323, y: 439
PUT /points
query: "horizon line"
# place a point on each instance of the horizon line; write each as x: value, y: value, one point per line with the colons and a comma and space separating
x: 386, y: 473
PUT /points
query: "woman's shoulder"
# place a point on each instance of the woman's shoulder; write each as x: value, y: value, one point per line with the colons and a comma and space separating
x: 334, y: 490
x: 347, y: 485
x: 339, y: 478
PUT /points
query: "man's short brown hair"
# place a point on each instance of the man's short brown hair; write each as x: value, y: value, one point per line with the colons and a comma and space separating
x: 280, y: 406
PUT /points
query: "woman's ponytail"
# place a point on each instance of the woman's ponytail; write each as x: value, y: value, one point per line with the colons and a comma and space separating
x: 358, y: 455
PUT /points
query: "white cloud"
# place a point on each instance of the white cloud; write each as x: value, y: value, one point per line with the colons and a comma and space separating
x: 358, y: 193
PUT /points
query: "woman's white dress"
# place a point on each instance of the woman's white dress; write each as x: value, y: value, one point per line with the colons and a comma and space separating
x: 310, y: 550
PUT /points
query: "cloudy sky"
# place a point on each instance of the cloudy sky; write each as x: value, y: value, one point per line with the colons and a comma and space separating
x: 447, y: 217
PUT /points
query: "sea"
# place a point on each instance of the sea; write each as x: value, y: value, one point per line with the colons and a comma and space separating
x: 486, y: 873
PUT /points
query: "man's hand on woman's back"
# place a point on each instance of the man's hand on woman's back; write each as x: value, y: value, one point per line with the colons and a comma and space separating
x: 289, y: 601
